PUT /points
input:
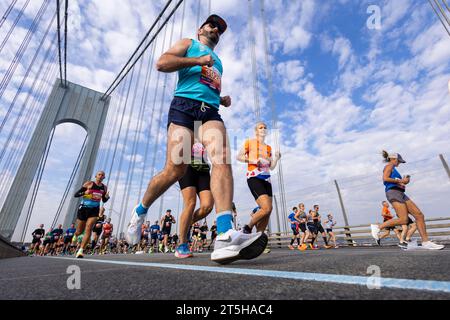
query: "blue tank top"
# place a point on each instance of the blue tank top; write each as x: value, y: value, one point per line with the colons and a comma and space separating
x: 394, y: 175
x: 201, y: 83
x: 291, y: 218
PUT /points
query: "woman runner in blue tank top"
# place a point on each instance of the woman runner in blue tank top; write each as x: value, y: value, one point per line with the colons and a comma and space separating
x: 395, y: 186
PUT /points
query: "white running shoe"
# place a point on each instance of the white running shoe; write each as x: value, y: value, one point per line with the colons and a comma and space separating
x: 375, y: 231
x: 133, y: 235
x: 234, y: 245
x: 139, y: 252
x: 432, y: 246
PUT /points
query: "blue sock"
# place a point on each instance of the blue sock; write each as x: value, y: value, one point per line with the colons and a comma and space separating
x: 141, y: 210
x: 224, y: 221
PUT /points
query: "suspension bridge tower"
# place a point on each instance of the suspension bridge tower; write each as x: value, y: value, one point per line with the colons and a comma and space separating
x: 66, y: 103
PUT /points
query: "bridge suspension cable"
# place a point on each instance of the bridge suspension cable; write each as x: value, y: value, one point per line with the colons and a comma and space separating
x: 14, y: 24
x: 440, y: 13
x: 65, y: 41
x: 23, y: 47
x: 22, y: 84
x: 37, y: 184
x: 132, y: 62
x: 274, y: 115
x: 252, y: 44
x: 70, y: 182
x: 7, y: 12
x: 58, y: 27
x: 12, y: 161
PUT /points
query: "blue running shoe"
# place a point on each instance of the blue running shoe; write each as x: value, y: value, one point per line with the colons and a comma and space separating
x: 183, y: 251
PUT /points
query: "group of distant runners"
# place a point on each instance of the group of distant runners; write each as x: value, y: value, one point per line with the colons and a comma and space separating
x: 307, y: 226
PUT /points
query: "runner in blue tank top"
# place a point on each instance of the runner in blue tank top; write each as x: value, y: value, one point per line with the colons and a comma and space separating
x: 195, y: 107
x: 395, y: 186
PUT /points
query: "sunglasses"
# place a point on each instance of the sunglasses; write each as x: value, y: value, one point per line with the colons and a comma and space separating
x: 215, y: 25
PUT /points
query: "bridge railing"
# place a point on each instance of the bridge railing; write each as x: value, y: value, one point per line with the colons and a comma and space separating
x: 360, y: 235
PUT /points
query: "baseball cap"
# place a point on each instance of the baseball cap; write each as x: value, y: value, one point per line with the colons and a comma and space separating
x: 217, y: 21
x: 396, y: 156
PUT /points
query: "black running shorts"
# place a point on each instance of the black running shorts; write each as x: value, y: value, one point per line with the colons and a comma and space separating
x: 312, y: 227
x: 197, y: 179
x: 302, y: 227
x: 166, y: 230
x: 259, y: 187
x: 84, y: 213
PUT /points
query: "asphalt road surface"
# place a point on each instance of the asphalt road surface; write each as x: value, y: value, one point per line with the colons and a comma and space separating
x: 343, y: 273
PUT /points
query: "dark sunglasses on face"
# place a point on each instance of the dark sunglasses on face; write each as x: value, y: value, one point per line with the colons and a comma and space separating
x: 213, y: 25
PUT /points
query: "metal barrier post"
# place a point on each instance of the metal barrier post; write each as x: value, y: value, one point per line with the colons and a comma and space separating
x: 278, y: 219
x: 444, y: 163
x: 344, y: 213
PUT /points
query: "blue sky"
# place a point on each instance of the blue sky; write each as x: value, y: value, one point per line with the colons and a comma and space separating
x: 343, y: 92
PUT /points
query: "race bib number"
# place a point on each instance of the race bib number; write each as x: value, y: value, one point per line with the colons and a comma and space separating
x: 97, y: 196
x: 211, y: 77
x: 264, y: 165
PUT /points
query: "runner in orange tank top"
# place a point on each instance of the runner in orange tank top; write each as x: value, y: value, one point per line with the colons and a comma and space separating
x: 260, y: 162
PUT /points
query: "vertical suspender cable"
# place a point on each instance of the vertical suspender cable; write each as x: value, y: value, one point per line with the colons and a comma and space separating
x: 273, y: 111
x: 114, y: 134
x: 158, y: 124
x: 25, y: 77
x: 151, y: 118
x: 130, y: 173
x: 13, y: 26
x: 37, y: 184
x: 199, y: 6
x: 252, y: 44
x: 70, y: 182
x: 13, y: 157
x: 58, y: 19
x: 120, y: 129
x: 132, y: 61
x: 446, y: 5
x: 138, y: 79
x: 7, y: 12
x: 23, y: 106
x: 440, y: 19
x: 114, y: 189
x: 65, y: 42
x: 23, y: 47
x: 442, y: 11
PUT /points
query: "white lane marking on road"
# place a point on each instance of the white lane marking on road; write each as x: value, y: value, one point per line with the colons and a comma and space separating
x: 390, y: 283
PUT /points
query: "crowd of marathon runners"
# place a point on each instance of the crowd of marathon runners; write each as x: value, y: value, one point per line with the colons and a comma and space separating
x: 158, y: 237
x: 155, y: 237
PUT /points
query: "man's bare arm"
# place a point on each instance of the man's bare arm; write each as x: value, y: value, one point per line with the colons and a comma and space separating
x: 174, y: 59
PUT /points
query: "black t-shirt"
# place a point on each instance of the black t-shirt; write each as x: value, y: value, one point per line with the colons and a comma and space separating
x: 57, y: 233
x: 213, y: 229
x: 38, y: 233
x: 168, y: 220
x: 195, y: 231
x: 203, y: 229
